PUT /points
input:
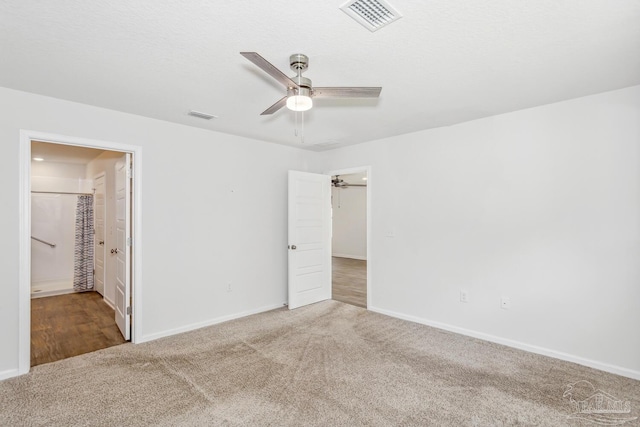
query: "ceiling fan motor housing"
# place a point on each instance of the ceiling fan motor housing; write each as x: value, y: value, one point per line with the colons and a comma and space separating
x: 302, y: 91
x: 304, y: 86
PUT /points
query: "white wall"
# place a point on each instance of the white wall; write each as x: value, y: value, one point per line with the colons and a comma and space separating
x: 59, y: 177
x: 72, y: 171
x: 213, y: 206
x: 349, y: 208
x: 53, y: 219
x: 106, y: 163
x: 540, y: 205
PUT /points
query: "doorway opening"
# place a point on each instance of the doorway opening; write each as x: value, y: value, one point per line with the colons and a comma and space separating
x: 350, y: 255
x: 80, y: 216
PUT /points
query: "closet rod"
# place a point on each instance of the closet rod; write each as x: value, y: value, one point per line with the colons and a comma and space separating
x: 62, y: 192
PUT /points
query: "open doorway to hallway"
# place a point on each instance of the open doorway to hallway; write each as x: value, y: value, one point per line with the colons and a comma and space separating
x: 349, y: 237
x: 76, y: 255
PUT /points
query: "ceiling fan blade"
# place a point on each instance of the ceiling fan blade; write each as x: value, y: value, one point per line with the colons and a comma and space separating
x: 346, y: 92
x: 275, y: 107
x: 270, y: 69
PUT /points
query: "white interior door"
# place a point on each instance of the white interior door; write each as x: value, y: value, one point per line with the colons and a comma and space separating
x: 309, y: 238
x: 123, y: 248
x: 99, y: 241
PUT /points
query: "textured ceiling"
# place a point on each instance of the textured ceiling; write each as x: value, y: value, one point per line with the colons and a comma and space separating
x: 443, y: 62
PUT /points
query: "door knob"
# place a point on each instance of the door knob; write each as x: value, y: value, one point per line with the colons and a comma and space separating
x: 101, y: 242
x: 294, y: 247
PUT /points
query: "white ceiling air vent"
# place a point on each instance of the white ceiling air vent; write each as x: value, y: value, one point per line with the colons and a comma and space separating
x: 202, y: 115
x: 372, y: 14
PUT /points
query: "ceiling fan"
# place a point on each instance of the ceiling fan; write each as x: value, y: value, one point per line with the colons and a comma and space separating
x: 299, y: 89
x: 340, y: 183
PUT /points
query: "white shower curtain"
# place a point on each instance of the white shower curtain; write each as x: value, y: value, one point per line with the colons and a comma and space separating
x: 83, y: 256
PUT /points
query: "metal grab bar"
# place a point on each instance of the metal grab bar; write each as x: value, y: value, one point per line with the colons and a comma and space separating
x: 53, y: 245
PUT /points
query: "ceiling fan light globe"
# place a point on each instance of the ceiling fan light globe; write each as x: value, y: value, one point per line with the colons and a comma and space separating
x: 299, y: 103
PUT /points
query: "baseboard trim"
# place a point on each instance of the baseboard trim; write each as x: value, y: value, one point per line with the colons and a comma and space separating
x: 194, y: 326
x: 4, y: 375
x: 629, y: 373
x: 44, y: 294
x: 362, y: 258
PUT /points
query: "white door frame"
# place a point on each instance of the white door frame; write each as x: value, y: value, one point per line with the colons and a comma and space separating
x: 24, y: 275
x: 366, y: 169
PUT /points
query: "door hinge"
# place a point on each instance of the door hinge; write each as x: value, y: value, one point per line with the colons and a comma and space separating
x: 129, y: 173
x: 129, y: 241
x: 129, y: 311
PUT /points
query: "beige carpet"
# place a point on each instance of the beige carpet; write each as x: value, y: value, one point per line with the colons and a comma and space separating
x: 329, y: 364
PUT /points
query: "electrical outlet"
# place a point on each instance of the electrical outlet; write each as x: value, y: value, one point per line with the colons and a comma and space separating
x: 464, y: 296
x: 505, y: 303
x: 229, y: 287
